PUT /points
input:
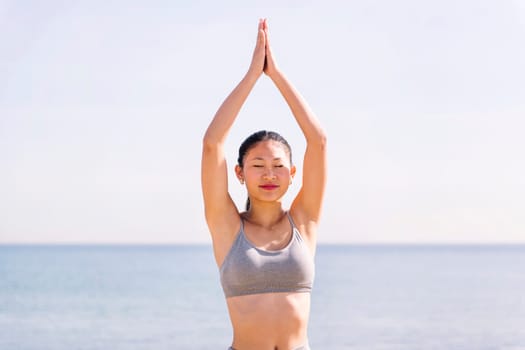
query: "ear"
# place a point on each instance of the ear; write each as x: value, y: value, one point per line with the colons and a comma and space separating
x: 238, y: 172
x: 293, y: 169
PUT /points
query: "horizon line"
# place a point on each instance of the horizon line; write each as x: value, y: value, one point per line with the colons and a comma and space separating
x: 159, y: 244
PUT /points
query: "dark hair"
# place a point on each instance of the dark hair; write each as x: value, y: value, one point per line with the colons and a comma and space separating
x: 255, y: 138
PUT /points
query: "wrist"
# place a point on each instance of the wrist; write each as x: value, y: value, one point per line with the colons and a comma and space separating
x: 275, y: 74
x: 252, y: 75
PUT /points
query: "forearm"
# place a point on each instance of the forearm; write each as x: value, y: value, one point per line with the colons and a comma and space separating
x: 304, y: 116
x: 229, y: 109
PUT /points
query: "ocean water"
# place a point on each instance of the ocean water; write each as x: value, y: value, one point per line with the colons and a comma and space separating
x: 169, y: 297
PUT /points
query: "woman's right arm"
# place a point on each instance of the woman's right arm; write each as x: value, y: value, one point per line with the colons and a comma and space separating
x: 221, y: 213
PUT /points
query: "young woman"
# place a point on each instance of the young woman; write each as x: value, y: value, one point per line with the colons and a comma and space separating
x: 265, y: 254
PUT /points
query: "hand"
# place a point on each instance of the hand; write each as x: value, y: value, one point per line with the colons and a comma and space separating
x: 270, y: 67
x: 259, y: 54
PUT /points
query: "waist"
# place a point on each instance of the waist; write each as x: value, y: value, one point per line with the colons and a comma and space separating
x: 270, y: 318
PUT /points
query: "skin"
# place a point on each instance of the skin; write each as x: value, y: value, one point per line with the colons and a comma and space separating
x: 270, y: 320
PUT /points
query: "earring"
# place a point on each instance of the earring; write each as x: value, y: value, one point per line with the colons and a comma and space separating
x: 242, y: 181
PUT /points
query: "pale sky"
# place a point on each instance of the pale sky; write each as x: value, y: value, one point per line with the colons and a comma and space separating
x: 103, y: 105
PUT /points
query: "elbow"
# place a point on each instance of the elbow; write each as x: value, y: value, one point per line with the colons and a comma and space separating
x: 210, y: 142
x: 322, y: 138
x: 211, y: 145
x: 319, y: 139
x: 207, y: 142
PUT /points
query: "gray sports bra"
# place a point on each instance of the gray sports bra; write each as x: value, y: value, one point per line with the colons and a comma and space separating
x: 250, y: 270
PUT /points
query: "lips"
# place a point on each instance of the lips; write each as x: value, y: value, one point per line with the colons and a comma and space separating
x: 268, y: 187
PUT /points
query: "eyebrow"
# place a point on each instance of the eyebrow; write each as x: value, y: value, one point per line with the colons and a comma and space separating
x: 261, y: 158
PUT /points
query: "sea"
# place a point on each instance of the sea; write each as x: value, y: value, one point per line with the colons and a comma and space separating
x: 160, y: 297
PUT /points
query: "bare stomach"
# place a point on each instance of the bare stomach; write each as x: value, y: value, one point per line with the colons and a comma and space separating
x: 271, y: 321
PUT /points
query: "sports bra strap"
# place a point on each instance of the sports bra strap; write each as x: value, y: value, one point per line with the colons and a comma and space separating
x: 290, y: 219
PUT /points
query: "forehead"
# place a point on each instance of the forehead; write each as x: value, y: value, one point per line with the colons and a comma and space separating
x: 267, y: 149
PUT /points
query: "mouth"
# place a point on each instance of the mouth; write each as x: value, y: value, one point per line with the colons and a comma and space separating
x: 269, y: 187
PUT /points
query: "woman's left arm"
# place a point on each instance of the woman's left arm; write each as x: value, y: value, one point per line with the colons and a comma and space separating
x: 309, y: 200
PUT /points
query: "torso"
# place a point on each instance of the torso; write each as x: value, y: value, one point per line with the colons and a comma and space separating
x: 269, y: 320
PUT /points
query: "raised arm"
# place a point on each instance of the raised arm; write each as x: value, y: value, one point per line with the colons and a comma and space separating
x: 221, y: 213
x: 309, y: 200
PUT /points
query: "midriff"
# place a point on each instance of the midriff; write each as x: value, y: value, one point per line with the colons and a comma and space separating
x: 269, y: 321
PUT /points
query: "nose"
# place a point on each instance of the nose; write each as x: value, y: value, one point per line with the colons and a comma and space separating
x: 269, y: 174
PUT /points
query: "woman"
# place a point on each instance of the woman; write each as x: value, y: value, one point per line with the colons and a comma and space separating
x: 265, y: 254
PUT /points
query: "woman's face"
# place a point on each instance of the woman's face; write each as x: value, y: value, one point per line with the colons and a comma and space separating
x: 267, y: 171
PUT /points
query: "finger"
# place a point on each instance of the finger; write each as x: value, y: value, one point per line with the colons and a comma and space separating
x: 266, y: 41
x: 261, y: 38
x: 265, y: 27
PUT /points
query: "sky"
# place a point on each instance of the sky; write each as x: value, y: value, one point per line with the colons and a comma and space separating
x: 103, y: 105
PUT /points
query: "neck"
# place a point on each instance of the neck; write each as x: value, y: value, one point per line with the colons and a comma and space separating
x: 265, y: 215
